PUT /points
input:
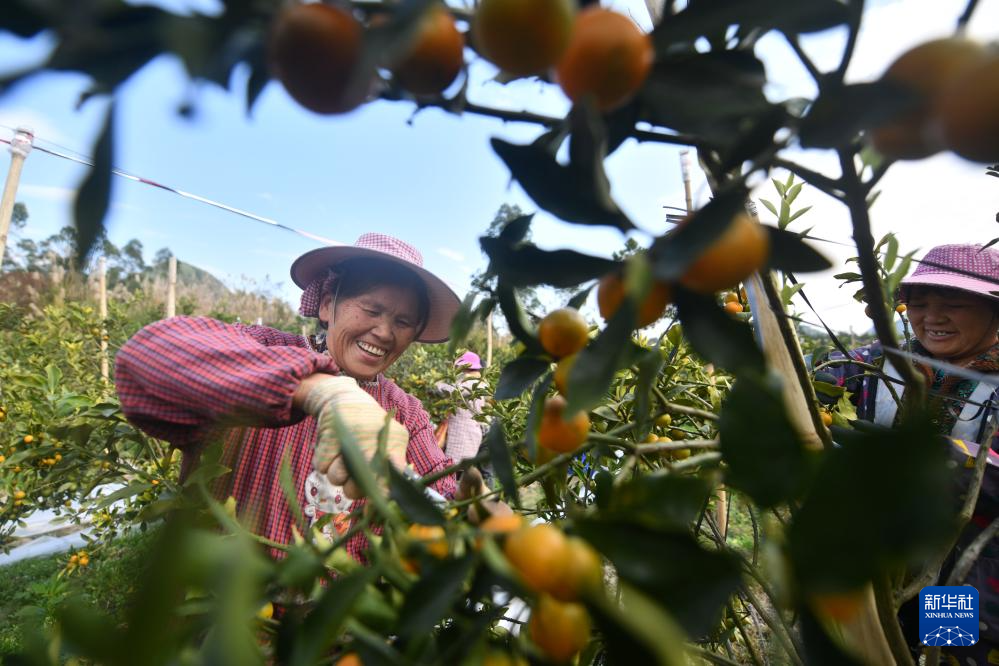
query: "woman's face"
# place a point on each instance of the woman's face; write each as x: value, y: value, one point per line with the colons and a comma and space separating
x: 370, y: 331
x: 952, y: 325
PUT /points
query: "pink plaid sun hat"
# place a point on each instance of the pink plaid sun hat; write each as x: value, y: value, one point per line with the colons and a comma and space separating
x: 966, y: 267
x: 311, y: 272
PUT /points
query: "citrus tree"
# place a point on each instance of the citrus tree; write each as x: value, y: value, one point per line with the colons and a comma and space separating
x: 622, y: 445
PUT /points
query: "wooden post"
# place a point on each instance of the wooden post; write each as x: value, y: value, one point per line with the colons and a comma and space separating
x: 20, y: 146
x: 489, y: 340
x: 102, y: 287
x: 171, y: 304
x: 56, y: 275
x: 721, y: 507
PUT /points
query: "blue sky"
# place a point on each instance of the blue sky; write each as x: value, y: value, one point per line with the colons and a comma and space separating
x: 431, y: 179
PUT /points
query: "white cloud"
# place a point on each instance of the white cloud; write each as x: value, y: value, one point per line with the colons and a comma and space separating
x: 453, y: 255
x: 46, y: 192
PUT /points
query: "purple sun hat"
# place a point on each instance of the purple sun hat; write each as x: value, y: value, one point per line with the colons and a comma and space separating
x: 966, y: 267
x: 469, y: 359
x: 313, y: 271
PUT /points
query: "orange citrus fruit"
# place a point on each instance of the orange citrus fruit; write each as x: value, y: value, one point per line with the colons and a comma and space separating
x: 498, y: 525
x: 610, y: 293
x: 313, y: 50
x: 733, y: 307
x: 537, y: 553
x: 741, y: 250
x: 927, y: 70
x: 349, y: 659
x: 561, y: 630
x: 609, y: 57
x: 580, y: 571
x: 731, y: 297
x: 433, y: 538
x: 840, y: 606
x: 901, y: 308
x: 563, y: 332
x: 561, y: 374
x: 432, y: 63
x: 827, y: 418
x: 523, y: 37
x: 556, y: 433
x: 968, y: 112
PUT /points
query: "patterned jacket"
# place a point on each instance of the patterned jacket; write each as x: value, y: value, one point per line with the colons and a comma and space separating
x: 190, y: 380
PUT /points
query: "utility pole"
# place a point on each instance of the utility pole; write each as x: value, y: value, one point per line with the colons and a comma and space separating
x: 20, y: 146
x: 685, y: 172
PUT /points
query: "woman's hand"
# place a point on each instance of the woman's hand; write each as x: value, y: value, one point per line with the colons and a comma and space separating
x: 327, y: 397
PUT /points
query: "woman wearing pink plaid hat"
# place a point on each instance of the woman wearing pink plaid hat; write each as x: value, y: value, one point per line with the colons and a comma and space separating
x: 952, y: 303
x: 273, y: 395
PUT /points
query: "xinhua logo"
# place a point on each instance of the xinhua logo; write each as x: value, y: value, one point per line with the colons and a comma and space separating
x: 948, y: 615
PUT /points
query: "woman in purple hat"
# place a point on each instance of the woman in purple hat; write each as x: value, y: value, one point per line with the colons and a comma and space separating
x: 273, y: 396
x: 952, y: 301
x: 463, y: 435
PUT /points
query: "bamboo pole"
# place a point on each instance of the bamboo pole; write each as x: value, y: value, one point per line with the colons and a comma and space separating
x: 20, y: 146
x: 171, y: 304
x: 102, y: 287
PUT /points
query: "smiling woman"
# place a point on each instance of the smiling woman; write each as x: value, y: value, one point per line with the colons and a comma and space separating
x: 952, y: 303
x: 279, y: 396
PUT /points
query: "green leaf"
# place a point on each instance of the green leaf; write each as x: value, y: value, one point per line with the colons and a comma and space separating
x: 790, y: 253
x: 516, y: 320
x: 793, y: 193
x: 638, y: 631
x: 413, y: 500
x: 649, y: 366
x: 94, y: 194
x: 840, y: 114
x: 708, y: 94
x: 579, y: 298
x: 563, y: 191
x: 717, y: 337
x: 672, y: 253
x: 53, y: 375
x: 462, y: 323
x: 431, y: 597
x: 534, y: 416
x: 131, y: 489
x: 526, y: 265
x: 519, y: 374
x: 889, y: 490
x: 322, y: 626
x: 359, y: 468
x: 891, y: 254
x: 691, y: 582
x: 594, y: 367
x: 499, y: 455
x: 291, y: 498
x: 769, y: 206
x: 763, y: 453
x: 849, y: 276
x: 659, y: 501
x: 702, y: 18
x: 798, y: 213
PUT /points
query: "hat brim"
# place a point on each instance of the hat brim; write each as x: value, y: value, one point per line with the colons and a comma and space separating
x: 444, y: 303
x: 966, y: 283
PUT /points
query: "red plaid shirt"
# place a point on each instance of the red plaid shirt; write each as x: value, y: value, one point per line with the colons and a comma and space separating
x: 185, y: 379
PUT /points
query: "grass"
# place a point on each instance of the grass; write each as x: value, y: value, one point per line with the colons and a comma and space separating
x: 31, y: 590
